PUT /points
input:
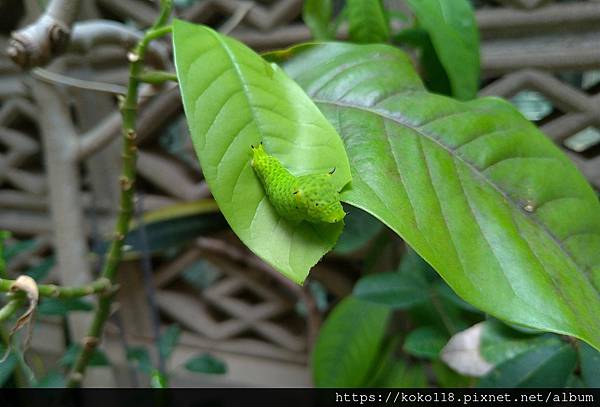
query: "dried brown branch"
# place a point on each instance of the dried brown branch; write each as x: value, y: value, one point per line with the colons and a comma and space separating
x: 37, y: 43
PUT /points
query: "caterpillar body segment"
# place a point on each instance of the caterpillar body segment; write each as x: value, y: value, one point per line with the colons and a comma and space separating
x: 308, y: 197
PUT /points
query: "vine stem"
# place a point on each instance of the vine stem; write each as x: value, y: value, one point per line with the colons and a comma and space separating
x: 98, y: 286
x: 128, y: 107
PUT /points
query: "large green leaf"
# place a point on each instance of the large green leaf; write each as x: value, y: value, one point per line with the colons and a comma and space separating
x: 453, y: 31
x: 233, y: 98
x: 348, y: 345
x: 483, y: 196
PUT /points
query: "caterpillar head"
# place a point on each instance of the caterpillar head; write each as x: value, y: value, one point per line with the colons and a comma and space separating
x: 319, y: 199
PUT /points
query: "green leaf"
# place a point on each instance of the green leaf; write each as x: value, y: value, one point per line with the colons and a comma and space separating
x: 206, y: 363
x: 233, y: 98
x: 433, y: 72
x: 425, y: 342
x: 401, y: 375
x: 499, y: 342
x: 53, y: 379
x: 453, y: 31
x: 575, y: 382
x: 61, y: 307
x: 317, y: 16
x: 172, y: 226
x: 40, y: 271
x: 545, y: 366
x: 483, y: 196
x: 141, y: 358
x: 360, y: 227
x: 7, y: 367
x: 348, y: 344
x: 590, y: 365
x: 158, y: 380
x: 98, y: 357
x: 367, y: 20
x: 394, y: 289
x: 168, y: 340
x: 448, y: 378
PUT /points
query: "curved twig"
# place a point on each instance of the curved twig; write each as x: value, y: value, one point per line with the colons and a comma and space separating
x: 47, y: 37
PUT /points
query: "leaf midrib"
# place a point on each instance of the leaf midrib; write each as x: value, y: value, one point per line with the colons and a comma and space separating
x: 580, y: 268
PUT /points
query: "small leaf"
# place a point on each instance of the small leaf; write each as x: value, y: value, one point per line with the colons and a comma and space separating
x: 590, y: 365
x: 368, y: 21
x: 317, y: 16
x: 168, y: 340
x: 499, y: 342
x: 57, y: 306
x: 172, y: 226
x: 40, y: 271
x: 448, y: 378
x: 574, y: 382
x: 140, y: 356
x: 394, y: 289
x: 425, y: 342
x: 348, y: 344
x: 53, y: 379
x: 158, y: 380
x: 455, y: 37
x: 433, y: 73
x: 206, y: 363
x: 545, y: 366
x: 401, y: 375
x: 7, y: 367
x: 360, y: 227
x: 19, y: 247
x: 98, y: 358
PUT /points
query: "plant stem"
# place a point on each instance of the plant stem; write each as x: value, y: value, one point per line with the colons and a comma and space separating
x: 127, y: 180
x: 50, y: 290
x: 11, y: 307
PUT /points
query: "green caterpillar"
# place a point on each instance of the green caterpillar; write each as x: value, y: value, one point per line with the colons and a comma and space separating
x: 308, y: 197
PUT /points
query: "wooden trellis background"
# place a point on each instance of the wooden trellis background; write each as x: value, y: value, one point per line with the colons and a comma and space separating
x: 59, y: 161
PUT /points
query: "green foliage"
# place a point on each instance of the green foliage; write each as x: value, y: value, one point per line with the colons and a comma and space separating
x: 433, y: 73
x: 453, y: 33
x: 168, y: 340
x: 500, y: 343
x: 140, y: 357
x: 549, y: 365
x: 52, y: 380
x: 172, y: 226
x: 397, y: 290
x: 490, y: 202
x: 425, y: 342
x: 207, y: 364
x: 589, y: 359
x: 348, y: 345
x: 317, y: 16
x: 4, y: 235
x: 98, y: 358
x: 61, y: 307
x: 359, y: 228
x: 233, y: 98
x: 7, y: 367
x: 367, y: 20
